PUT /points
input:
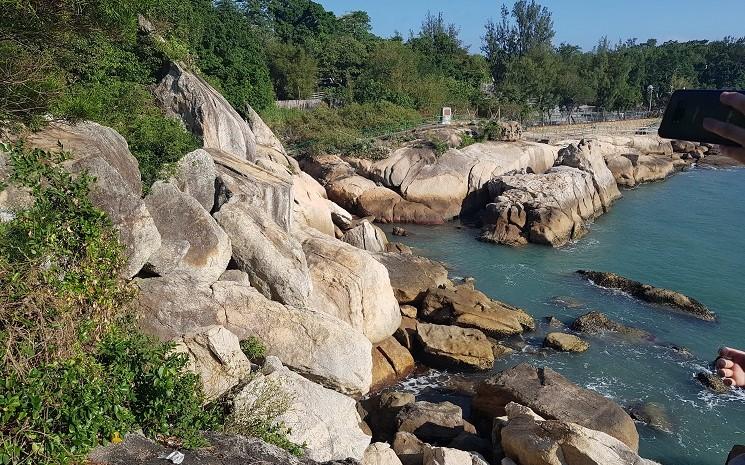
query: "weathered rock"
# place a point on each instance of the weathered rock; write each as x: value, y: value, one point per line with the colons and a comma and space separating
x: 267, y: 144
x: 510, y: 131
x: 405, y: 334
x: 471, y: 442
x: 550, y: 208
x: 226, y: 449
x: 584, y: 156
x: 205, y: 113
x: 325, y: 420
x: 380, y: 453
x: 192, y: 242
x: 237, y: 276
x: 388, y: 206
x: 13, y: 198
x: 531, y: 440
x: 408, y: 448
x: 399, y: 231
x: 554, y: 397
x: 104, y: 154
x: 712, y: 382
x: 466, y: 307
x: 648, y: 293
x: 266, y: 190
x: 273, y: 259
x: 380, y: 413
x: 312, y: 208
x: 391, y: 362
x: 452, y: 346
x: 315, y: 344
x: 351, y: 285
x: 366, y: 236
x: 411, y: 276
x: 195, y: 175
x: 553, y: 322
x: 215, y: 355
x: 409, y: 311
x: 448, y: 456
x: 433, y: 423
x: 596, y: 322
x: 565, y: 342
x: 653, y: 415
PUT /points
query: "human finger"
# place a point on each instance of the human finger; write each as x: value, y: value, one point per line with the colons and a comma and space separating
x: 733, y: 152
x: 731, y: 353
x: 725, y: 373
x: 728, y: 381
x: 735, y: 100
x: 724, y: 363
x: 729, y: 131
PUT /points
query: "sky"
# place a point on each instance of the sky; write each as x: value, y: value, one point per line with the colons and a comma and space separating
x: 579, y: 22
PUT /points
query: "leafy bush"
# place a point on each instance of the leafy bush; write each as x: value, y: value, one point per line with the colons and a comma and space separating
x: 71, y: 378
x: 253, y: 348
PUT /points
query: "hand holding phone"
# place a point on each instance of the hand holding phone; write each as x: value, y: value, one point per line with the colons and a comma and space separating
x: 730, y: 131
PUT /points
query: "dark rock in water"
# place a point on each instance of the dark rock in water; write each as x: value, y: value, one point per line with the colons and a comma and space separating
x: 225, y: 449
x: 596, y: 322
x: 380, y: 413
x: 554, y: 397
x: 565, y: 301
x: 472, y: 443
x: 713, y: 382
x: 554, y: 322
x: 651, y: 294
x: 653, y: 415
x: 399, y: 231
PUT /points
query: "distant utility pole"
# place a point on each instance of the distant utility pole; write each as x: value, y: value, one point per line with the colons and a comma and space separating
x: 650, y: 89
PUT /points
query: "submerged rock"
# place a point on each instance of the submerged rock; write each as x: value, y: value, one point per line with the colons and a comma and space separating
x: 712, y: 382
x: 651, y: 294
x: 653, y: 415
x: 596, y: 322
x: 565, y: 342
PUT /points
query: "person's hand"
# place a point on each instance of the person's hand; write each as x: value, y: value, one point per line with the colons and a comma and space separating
x: 729, y: 131
x: 731, y: 367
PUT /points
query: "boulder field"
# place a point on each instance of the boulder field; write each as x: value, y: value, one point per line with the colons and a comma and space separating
x: 239, y: 242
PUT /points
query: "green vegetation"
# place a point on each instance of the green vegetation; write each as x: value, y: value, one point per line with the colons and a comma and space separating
x: 253, y: 348
x: 75, y: 375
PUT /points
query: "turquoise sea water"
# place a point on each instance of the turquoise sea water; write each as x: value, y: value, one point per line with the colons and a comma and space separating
x: 687, y: 234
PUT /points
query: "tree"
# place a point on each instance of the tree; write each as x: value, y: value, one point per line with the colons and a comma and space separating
x: 294, y: 73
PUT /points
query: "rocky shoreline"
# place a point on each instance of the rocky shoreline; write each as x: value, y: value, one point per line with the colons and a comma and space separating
x: 244, y: 242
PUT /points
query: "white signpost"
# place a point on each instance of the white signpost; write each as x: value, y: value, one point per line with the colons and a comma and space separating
x: 447, y: 115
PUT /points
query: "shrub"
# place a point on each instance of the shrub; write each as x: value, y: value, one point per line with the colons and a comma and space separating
x: 71, y: 378
x: 258, y: 415
x: 253, y: 348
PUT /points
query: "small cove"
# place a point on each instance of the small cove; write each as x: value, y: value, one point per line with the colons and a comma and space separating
x: 687, y: 234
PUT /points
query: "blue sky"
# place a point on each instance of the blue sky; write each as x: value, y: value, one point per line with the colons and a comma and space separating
x: 580, y: 22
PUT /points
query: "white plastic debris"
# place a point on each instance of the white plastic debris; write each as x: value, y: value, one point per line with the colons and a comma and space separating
x: 175, y: 457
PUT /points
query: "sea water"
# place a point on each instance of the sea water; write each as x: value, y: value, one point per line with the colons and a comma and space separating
x: 686, y: 234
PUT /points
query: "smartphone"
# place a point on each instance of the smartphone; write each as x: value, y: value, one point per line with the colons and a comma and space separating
x: 685, y: 113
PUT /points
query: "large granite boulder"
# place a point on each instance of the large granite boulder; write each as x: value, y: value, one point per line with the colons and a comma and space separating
x: 193, y: 244
x: 267, y: 190
x: 268, y: 146
x: 205, y: 113
x: 585, y: 157
x: 105, y: 155
x: 366, y: 236
x: 351, y: 285
x: 550, y: 208
x: 656, y: 295
x: 313, y: 343
x: 408, y: 448
x: 466, y: 307
x: 454, y: 347
x: 412, y: 276
x: 312, y: 208
x: 380, y: 453
x: 214, y: 353
x: 272, y: 258
x: 325, y: 421
x: 554, y: 397
x: 450, y: 456
x: 530, y: 440
x: 195, y: 175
